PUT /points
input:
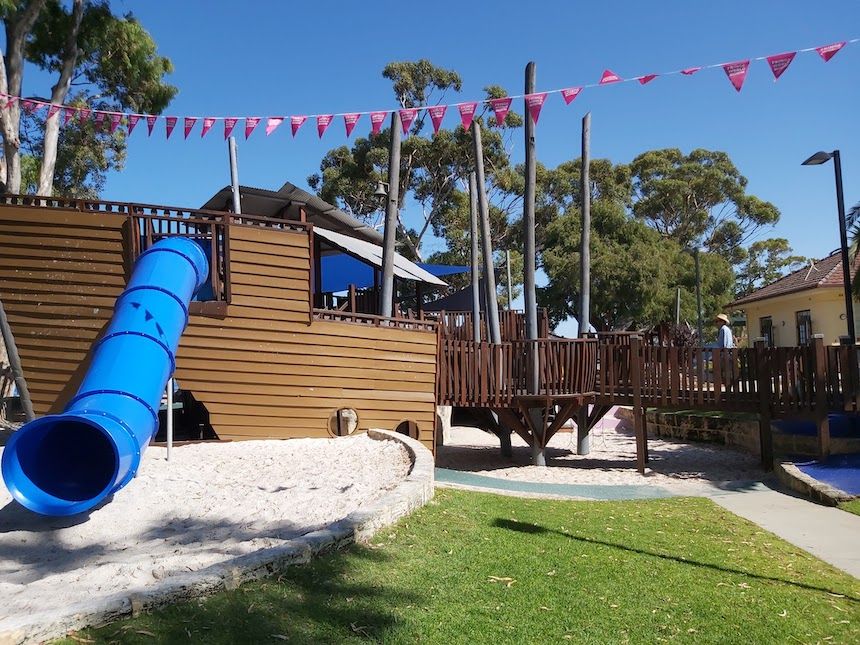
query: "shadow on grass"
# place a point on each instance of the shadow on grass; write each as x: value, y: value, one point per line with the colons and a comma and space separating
x: 533, y: 529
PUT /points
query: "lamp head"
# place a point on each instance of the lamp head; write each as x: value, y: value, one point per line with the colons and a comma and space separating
x: 818, y: 158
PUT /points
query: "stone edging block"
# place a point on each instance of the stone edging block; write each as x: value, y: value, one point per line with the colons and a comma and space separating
x: 798, y: 481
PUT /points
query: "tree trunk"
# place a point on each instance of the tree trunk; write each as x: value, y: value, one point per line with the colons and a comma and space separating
x: 18, y: 26
x: 58, y: 96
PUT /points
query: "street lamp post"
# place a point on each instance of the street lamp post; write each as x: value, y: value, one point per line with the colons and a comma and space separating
x: 816, y: 160
x: 698, y: 296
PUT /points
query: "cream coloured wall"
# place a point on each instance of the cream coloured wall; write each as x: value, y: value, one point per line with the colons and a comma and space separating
x: 826, y: 306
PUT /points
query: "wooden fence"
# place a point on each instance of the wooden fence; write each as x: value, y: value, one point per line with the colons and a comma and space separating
x: 457, y: 325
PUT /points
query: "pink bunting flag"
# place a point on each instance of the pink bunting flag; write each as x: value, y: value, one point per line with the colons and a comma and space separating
x: 115, y: 120
x: 169, y: 124
x: 28, y: 105
x: 273, y: 123
x: 467, y: 114
x: 829, y: 51
x: 229, y: 123
x: 68, y: 115
x: 534, y: 102
x: 501, y: 107
x: 407, y: 116
x: 779, y: 63
x: 323, y: 121
x: 644, y: 80
x: 349, y: 122
x: 99, y: 118
x: 188, y: 125
x: 10, y: 101
x: 690, y: 71
x: 133, y: 120
x: 437, y: 113
x: 150, y: 123
x: 52, y: 110
x: 570, y: 93
x: 376, y: 121
x: 84, y: 114
x: 251, y: 124
x: 737, y: 73
x: 296, y: 122
x: 609, y: 77
x: 208, y: 122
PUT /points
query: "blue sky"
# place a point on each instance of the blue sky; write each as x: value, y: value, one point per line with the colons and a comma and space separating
x: 274, y: 57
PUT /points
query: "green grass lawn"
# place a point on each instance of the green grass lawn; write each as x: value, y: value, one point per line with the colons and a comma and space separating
x: 479, y: 568
x: 852, y: 507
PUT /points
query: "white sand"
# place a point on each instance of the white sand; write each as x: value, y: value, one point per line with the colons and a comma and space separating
x: 212, y: 502
x: 681, y: 468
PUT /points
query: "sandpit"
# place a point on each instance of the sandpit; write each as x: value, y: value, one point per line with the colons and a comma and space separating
x: 210, y: 504
x: 676, y: 467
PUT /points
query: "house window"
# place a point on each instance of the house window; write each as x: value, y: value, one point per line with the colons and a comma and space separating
x: 804, y: 327
x: 766, y: 330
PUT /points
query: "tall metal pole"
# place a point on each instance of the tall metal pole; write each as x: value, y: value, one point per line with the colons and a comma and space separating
x: 698, y: 297
x: 492, y: 308
x: 510, y: 286
x: 529, y: 295
x: 475, y: 271
x: 585, y: 250
x: 678, y: 306
x: 386, y: 298
x: 843, y: 240
x: 234, y: 176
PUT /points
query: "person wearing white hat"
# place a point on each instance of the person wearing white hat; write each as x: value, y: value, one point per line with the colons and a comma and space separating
x: 725, y: 340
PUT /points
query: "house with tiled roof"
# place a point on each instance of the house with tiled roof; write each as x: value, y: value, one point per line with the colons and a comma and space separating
x: 808, y: 301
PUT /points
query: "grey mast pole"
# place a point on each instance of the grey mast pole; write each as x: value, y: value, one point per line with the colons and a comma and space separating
x: 583, y: 435
x: 386, y: 298
x: 486, y: 243
x: 234, y: 176
x: 476, y: 281
x: 510, y: 287
x: 15, y: 364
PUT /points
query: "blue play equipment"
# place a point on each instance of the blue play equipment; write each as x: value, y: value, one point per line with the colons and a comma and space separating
x: 67, y: 463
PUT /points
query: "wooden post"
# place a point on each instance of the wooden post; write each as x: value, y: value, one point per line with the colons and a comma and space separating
x: 638, y: 411
x: 820, y: 374
x: 15, y: 364
x: 492, y: 307
x: 475, y: 273
x: 764, y: 386
x: 583, y: 435
x: 529, y: 293
x: 386, y: 298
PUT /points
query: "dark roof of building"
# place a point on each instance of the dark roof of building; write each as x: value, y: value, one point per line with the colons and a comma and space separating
x: 826, y: 272
x: 284, y: 203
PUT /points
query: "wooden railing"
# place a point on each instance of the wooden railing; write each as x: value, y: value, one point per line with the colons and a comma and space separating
x: 375, y: 321
x: 457, y: 325
x: 485, y: 375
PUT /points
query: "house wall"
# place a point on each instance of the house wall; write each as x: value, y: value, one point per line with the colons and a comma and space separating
x: 826, y: 305
x: 263, y: 370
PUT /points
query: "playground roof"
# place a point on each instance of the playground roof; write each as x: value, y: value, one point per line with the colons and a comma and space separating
x: 822, y: 273
x: 284, y: 203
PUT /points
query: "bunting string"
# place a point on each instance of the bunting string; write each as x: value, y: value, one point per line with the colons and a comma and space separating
x: 736, y: 72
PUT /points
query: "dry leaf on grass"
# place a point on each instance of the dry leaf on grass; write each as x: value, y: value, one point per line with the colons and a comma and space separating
x: 508, y: 581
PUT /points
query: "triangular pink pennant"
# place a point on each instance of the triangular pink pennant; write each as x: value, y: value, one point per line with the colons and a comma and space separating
x: 169, y: 124
x: 437, y: 113
x: 829, y: 51
x: 208, y: 122
x: 115, y: 120
x: 84, y: 114
x: 68, y: 115
x: 296, y: 122
x: 229, y: 123
x: 273, y: 123
x: 323, y: 121
x: 609, y: 77
x: 407, y: 116
x: 133, y: 120
x: 99, y: 118
x: 534, y: 102
x: 467, y: 113
x: 737, y: 73
x: 376, y: 121
x: 150, y: 123
x: 10, y: 101
x: 501, y: 107
x: 52, y: 110
x: 251, y: 123
x: 570, y: 93
x: 28, y: 105
x: 779, y: 63
x: 349, y: 122
x: 690, y: 71
x: 644, y: 80
x: 188, y: 125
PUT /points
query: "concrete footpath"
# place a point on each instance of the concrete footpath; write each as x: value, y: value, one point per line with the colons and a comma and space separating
x: 826, y: 532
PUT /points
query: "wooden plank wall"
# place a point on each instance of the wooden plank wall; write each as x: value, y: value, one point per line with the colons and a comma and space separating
x: 60, y: 274
x: 265, y: 371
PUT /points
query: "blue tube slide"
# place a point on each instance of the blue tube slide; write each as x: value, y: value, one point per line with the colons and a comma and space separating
x: 67, y: 463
